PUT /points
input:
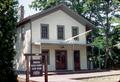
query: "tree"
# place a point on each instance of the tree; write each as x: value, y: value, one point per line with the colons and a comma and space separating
x: 8, y: 21
x: 103, y: 13
x: 76, y: 5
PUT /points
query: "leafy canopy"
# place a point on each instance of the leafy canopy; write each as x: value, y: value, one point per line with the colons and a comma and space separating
x: 8, y: 21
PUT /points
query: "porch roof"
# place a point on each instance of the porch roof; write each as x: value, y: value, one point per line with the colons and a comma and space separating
x: 60, y: 42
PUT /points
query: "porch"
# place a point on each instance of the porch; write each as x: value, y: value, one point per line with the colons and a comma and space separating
x: 63, y: 56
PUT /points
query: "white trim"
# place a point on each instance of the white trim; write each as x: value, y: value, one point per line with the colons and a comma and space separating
x: 58, y: 42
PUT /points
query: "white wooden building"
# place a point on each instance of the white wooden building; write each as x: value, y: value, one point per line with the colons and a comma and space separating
x: 47, y: 31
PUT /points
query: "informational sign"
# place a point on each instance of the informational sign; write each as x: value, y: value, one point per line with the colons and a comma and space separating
x: 36, y: 67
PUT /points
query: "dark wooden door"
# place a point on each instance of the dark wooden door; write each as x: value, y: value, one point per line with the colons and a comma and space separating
x: 76, y: 59
x: 61, y: 59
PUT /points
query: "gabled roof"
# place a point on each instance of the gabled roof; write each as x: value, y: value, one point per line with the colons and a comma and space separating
x: 62, y: 7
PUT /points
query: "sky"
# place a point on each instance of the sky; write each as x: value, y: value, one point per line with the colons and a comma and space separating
x: 26, y: 3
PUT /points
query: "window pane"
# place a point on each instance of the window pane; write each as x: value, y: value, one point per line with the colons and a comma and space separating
x: 75, y: 32
x: 60, y: 32
x: 44, y: 31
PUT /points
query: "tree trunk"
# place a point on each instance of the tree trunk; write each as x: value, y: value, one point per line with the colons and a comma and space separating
x: 106, y: 35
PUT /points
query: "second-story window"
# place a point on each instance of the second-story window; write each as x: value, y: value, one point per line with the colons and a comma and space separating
x: 60, y: 32
x: 75, y: 31
x: 44, y: 31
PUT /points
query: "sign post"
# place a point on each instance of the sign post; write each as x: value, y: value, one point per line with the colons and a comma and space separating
x: 36, y: 67
x: 46, y: 67
x: 27, y: 68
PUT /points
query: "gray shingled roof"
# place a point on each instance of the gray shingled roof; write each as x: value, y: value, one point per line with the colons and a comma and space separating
x: 62, y: 7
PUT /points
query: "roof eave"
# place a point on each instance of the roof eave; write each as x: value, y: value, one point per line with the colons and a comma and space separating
x: 73, y: 14
x: 76, y: 16
x: 24, y: 21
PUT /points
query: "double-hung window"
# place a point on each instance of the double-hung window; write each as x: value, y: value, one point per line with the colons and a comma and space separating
x: 75, y: 31
x: 60, y: 32
x: 44, y: 31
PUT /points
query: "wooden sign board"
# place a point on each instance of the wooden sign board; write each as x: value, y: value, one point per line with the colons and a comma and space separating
x: 36, y: 67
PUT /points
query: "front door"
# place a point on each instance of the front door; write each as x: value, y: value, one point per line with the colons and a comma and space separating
x: 61, y: 59
x: 76, y: 59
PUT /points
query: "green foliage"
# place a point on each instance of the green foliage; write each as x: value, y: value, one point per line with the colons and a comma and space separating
x: 43, y: 4
x: 98, y: 42
x: 106, y: 16
x: 76, y: 5
x: 8, y: 21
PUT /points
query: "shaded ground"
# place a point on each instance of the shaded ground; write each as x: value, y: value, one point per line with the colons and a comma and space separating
x: 23, y: 80
x: 115, y: 78
x: 105, y: 76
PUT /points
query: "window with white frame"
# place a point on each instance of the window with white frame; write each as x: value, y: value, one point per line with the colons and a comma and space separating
x: 60, y: 32
x: 44, y: 31
x: 75, y: 31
